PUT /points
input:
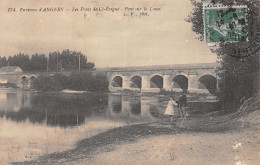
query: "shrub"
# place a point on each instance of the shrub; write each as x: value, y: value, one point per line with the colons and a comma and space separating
x: 84, y: 81
x: 46, y: 83
x: 169, y: 93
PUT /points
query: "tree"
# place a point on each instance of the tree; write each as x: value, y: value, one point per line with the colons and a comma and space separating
x: 21, y: 60
x: 68, y: 60
x: 57, y: 61
x: 53, y: 60
x: 238, y: 78
x: 38, y: 62
x: 89, y: 65
x: 3, y: 61
x: 239, y: 75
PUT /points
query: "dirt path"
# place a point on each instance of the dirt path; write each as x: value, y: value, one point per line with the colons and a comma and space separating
x: 238, y: 148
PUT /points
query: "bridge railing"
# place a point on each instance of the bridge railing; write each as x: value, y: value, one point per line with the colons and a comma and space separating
x: 59, y: 71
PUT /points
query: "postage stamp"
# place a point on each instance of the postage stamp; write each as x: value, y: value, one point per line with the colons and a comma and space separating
x: 225, y: 23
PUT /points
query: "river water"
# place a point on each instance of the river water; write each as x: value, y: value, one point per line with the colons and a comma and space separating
x: 34, y: 124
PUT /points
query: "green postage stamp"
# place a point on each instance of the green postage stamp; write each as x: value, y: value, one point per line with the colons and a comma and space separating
x: 225, y: 23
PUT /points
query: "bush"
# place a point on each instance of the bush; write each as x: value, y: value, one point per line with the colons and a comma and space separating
x: 64, y: 80
x: 99, y: 83
x: 46, y: 83
x: 84, y: 81
x: 8, y: 85
x: 169, y: 93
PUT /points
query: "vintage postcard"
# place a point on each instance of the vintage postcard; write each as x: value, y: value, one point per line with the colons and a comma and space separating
x: 129, y: 82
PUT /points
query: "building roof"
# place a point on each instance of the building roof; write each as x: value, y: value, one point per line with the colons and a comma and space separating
x: 10, y: 69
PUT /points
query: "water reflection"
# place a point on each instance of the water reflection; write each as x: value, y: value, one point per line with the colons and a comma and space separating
x: 138, y: 108
x: 52, y: 109
x: 66, y: 110
x: 13, y: 101
x: 43, y: 123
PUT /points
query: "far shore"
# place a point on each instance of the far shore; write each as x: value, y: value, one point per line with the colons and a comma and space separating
x: 193, y: 96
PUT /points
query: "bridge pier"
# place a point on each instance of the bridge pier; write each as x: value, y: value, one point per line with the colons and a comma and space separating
x: 193, y: 83
x: 167, y: 82
x: 126, y: 82
x: 145, y: 83
x: 126, y: 107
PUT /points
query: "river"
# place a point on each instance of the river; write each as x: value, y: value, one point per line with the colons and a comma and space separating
x: 33, y: 124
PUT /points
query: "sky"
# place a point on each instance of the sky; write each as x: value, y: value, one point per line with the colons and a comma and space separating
x: 108, y: 40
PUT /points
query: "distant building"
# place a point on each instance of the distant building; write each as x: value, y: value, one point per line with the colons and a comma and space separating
x: 14, y: 76
x: 10, y: 69
x: 10, y: 74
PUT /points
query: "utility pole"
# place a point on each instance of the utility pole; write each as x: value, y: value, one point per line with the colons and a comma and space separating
x: 79, y: 62
x: 47, y: 65
x: 57, y: 62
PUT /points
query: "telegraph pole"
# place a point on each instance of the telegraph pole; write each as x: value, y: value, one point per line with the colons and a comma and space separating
x: 47, y: 65
x: 57, y: 62
x: 79, y: 62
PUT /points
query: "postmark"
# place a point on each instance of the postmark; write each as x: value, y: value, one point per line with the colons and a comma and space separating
x: 232, y: 28
x: 225, y: 23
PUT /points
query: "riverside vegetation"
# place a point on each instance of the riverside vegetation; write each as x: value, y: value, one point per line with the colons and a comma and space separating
x: 80, y: 81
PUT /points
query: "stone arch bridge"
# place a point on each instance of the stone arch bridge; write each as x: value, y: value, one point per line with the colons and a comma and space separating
x: 25, y: 79
x: 195, y: 78
x: 21, y: 80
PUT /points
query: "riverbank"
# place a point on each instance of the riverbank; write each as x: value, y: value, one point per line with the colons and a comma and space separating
x: 213, y: 132
x: 232, y: 147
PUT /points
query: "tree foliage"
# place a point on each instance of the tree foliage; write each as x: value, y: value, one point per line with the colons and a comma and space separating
x: 3, y: 61
x: 21, y: 60
x: 38, y: 62
x: 238, y: 74
x: 46, y: 83
x: 80, y: 81
x: 68, y: 60
x: 57, y: 61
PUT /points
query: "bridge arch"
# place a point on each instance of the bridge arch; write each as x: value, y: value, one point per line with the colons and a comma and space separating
x: 115, y: 105
x: 180, y: 81
x: 208, y: 82
x: 207, y: 73
x: 136, y: 108
x: 136, y: 82
x: 32, y: 76
x: 32, y: 80
x: 117, y: 81
x: 156, y: 81
x: 24, y: 80
x: 23, y: 77
x: 180, y: 74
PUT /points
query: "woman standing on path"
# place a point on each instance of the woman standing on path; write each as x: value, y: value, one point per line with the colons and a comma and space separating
x: 170, y: 108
